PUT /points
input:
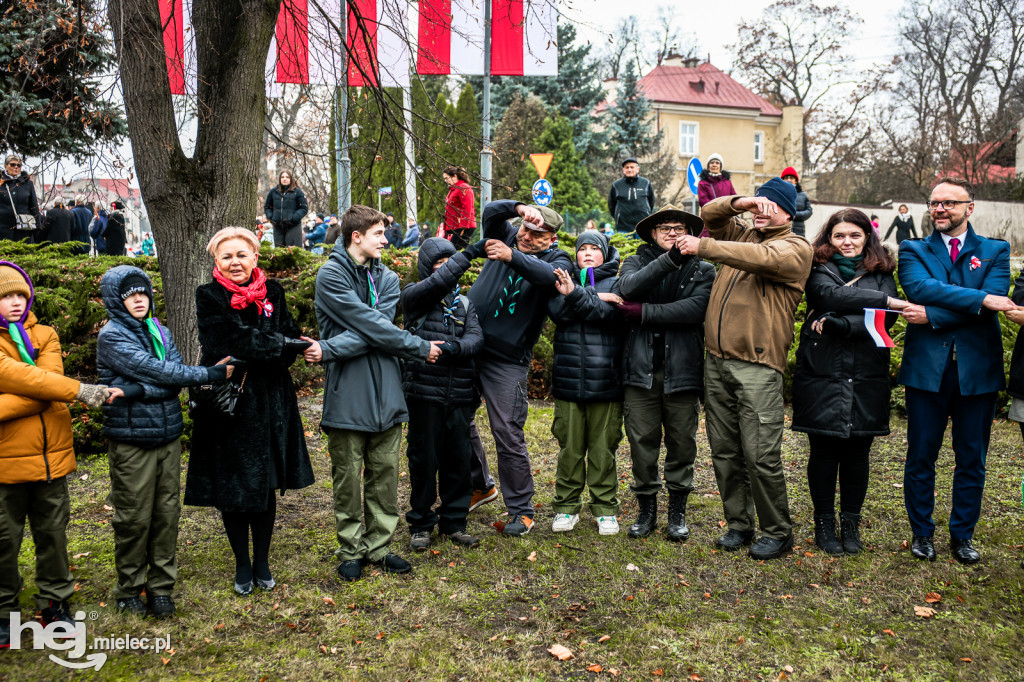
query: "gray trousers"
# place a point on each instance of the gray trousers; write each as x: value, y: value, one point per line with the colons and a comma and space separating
x: 503, y: 385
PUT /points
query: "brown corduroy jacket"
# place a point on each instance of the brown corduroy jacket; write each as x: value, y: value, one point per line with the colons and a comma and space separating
x: 35, y: 433
x: 751, y: 312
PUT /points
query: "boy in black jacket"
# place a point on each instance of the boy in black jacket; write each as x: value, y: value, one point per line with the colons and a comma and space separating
x: 441, y: 397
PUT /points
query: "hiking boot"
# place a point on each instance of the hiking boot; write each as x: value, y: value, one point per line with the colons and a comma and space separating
x: 607, y: 525
x: 59, y: 612
x: 564, y: 522
x: 161, y: 606
x: 5, y: 634
x: 647, y: 519
x: 518, y: 526
x: 849, y: 525
x: 392, y: 563
x: 482, y: 497
x: 350, y: 570
x: 825, y: 534
x: 133, y: 606
x: 463, y: 539
x: 677, y: 530
x: 735, y: 540
x: 419, y: 541
x: 771, y: 548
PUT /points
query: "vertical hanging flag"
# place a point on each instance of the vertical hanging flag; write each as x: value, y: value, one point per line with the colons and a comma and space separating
x: 874, y: 320
x: 524, y: 37
x: 378, y: 43
x: 179, y: 45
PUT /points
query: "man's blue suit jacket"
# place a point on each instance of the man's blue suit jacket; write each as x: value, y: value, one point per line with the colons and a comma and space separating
x: 952, y: 294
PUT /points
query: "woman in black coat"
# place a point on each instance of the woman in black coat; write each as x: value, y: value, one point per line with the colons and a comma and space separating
x: 285, y: 207
x: 841, y: 384
x: 238, y: 462
x: 17, y: 196
x: 116, y: 232
x: 903, y: 223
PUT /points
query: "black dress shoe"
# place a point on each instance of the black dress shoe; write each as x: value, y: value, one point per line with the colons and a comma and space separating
x: 350, y: 570
x: 964, y: 552
x: 923, y: 548
x: 735, y: 539
x: 771, y: 548
x: 392, y: 563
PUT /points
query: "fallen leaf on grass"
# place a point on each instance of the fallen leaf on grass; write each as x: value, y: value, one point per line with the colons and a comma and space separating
x: 788, y: 669
x: 814, y: 585
x: 933, y: 597
x: 629, y: 598
x: 84, y: 477
x: 522, y: 617
x: 560, y: 652
x: 595, y: 668
x: 323, y: 649
x: 966, y: 660
x: 79, y: 556
x: 603, y: 638
x: 165, y: 661
x: 866, y: 600
x: 494, y: 638
x: 380, y: 635
x: 659, y: 672
x: 107, y: 507
x: 960, y: 599
x: 532, y: 557
x: 924, y: 611
x: 904, y: 545
x: 721, y: 524
x: 632, y: 567
x: 785, y: 596
x: 613, y: 671
x: 435, y: 552
x: 329, y: 601
x: 889, y: 632
x: 218, y: 626
x: 707, y: 595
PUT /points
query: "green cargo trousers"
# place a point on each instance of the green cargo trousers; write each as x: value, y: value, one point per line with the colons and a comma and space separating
x: 144, y: 491
x: 744, y: 415
x: 47, y: 506
x: 371, y: 459
x: 588, y: 435
x: 647, y: 412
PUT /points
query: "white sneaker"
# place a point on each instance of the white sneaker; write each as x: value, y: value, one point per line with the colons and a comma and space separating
x: 607, y: 525
x: 564, y: 522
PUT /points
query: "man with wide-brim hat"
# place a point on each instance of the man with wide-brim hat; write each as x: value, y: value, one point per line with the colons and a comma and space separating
x: 511, y: 297
x: 666, y: 294
x: 750, y: 318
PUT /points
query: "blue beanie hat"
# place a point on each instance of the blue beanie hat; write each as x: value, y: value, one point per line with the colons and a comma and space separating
x: 781, y: 192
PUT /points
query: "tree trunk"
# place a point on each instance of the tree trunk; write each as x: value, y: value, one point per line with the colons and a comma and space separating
x: 190, y: 199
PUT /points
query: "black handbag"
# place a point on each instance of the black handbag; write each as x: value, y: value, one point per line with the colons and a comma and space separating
x: 219, y: 398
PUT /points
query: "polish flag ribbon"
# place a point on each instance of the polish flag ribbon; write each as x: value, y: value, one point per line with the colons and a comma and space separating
x: 874, y: 320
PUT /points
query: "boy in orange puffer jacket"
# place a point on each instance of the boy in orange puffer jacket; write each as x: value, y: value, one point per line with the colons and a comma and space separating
x: 36, y: 453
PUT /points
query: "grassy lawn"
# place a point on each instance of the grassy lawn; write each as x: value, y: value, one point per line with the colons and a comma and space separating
x: 625, y: 609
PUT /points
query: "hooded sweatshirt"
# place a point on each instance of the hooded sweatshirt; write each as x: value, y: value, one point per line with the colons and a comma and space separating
x: 35, y: 435
x: 126, y: 356
x: 751, y: 313
x: 589, y: 332
x: 355, y: 310
x: 511, y: 298
x: 434, y: 310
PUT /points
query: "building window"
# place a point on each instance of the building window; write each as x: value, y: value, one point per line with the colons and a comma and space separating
x: 688, y: 136
x: 758, y: 146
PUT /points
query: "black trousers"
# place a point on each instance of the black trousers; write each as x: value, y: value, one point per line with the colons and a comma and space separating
x: 845, y: 457
x: 439, y: 452
x: 460, y: 238
x: 287, y: 236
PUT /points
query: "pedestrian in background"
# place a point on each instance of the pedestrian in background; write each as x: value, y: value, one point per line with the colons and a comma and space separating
x: 630, y: 198
x: 714, y: 181
x: 803, y: 204
x: 285, y: 207
x: 903, y: 223
x: 459, y: 207
x: 20, y: 217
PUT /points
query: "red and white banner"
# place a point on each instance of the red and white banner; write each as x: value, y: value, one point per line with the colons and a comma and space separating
x: 524, y: 36
x: 306, y: 46
x: 874, y: 320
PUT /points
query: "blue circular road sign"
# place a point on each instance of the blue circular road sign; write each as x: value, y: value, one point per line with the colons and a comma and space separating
x: 542, y: 192
x: 693, y: 171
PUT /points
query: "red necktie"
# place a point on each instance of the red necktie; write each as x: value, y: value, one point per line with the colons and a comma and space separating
x: 954, y: 248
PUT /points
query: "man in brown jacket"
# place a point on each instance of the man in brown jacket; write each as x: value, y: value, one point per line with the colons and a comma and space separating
x: 748, y: 330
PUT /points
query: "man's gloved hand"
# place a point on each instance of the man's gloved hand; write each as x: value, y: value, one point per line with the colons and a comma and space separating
x: 677, y: 256
x: 93, y: 395
x: 632, y: 310
x: 450, y: 348
x: 296, y: 345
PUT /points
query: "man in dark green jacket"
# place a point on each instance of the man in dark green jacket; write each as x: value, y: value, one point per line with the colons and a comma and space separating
x: 364, y: 407
x: 631, y: 197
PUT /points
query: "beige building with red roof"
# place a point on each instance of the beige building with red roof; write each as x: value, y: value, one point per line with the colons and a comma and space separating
x: 704, y: 111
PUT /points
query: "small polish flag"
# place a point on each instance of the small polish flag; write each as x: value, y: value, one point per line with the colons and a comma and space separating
x: 874, y: 320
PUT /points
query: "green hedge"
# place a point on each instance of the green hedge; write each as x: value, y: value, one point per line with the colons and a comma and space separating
x: 67, y: 298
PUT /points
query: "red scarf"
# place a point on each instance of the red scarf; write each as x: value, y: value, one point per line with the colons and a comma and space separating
x: 243, y: 297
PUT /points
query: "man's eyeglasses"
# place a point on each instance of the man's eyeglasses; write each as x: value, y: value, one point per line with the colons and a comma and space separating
x: 666, y: 229
x: 946, y: 205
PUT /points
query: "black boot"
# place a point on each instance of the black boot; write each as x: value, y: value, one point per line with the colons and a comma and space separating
x: 677, y: 530
x: 849, y: 525
x: 825, y: 534
x: 647, y: 519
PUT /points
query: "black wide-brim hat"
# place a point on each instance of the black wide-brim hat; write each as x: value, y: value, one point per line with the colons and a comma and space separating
x: 668, y: 214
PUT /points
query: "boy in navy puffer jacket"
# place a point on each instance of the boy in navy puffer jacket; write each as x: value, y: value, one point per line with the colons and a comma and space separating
x: 441, y: 396
x: 137, y: 354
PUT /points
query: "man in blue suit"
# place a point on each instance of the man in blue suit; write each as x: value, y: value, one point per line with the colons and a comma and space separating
x: 952, y: 362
